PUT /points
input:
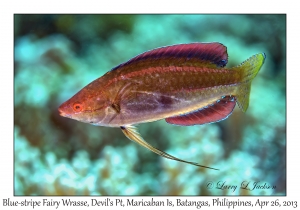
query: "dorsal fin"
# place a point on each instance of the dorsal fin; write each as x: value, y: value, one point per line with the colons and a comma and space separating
x: 218, y: 111
x: 214, y: 53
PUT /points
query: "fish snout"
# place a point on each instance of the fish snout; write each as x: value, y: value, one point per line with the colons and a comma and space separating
x: 63, y: 110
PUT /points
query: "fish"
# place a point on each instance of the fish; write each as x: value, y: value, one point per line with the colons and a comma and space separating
x: 185, y: 84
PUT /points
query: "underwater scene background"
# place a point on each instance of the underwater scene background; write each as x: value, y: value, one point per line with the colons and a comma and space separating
x: 57, y: 55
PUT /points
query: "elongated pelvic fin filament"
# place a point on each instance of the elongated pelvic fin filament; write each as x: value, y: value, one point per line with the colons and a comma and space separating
x: 132, y: 133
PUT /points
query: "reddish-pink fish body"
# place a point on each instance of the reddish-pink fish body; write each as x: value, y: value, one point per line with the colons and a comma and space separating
x: 185, y: 84
x: 159, y: 84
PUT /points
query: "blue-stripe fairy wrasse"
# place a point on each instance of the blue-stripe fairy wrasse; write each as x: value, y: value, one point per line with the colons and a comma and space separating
x: 185, y: 84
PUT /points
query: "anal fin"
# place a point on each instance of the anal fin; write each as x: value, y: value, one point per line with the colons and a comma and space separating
x: 132, y: 133
x: 218, y: 111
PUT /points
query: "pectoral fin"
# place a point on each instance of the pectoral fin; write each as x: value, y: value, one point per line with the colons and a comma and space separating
x: 132, y: 133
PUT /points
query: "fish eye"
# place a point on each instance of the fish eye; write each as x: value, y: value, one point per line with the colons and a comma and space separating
x: 77, y: 107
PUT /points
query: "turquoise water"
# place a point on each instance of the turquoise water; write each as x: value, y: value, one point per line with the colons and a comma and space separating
x: 57, y: 55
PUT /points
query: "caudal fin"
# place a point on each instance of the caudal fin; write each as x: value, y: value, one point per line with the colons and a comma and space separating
x: 249, y: 70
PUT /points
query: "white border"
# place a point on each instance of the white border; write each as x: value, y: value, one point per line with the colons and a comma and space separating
x: 154, y: 6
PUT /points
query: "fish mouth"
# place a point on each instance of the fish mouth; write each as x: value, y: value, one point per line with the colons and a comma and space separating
x: 62, y: 113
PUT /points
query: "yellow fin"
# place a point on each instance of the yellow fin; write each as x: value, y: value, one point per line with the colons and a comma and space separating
x: 249, y: 70
x: 132, y: 133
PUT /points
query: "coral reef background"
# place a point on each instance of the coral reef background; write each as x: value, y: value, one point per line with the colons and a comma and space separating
x: 57, y: 55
